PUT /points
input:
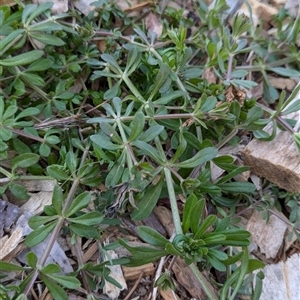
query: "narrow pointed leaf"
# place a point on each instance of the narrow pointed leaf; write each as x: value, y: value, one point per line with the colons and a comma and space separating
x: 38, y: 235
x: 207, y: 222
x: 201, y: 157
x: 148, y: 202
x: 68, y: 282
x: 56, y: 291
x: 92, y: 218
x: 137, y: 126
x: 187, y: 212
x: 81, y: 201
x: 151, y: 236
x: 25, y: 160
x: 22, y: 59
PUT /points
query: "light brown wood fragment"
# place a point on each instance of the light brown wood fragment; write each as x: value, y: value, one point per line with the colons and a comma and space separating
x: 134, y: 272
x: 165, y: 217
x: 277, y: 160
x: 267, y: 236
x: 168, y: 294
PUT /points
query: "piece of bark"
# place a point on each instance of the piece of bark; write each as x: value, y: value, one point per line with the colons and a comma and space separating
x: 277, y: 160
x: 133, y: 273
x: 168, y: 294
x: 165, y: 217
x: 188, y: 280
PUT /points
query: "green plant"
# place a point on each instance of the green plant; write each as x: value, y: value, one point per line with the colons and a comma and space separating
x: 156, y: 134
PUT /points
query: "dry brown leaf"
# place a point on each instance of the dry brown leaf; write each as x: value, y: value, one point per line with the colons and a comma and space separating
x: 153, y: 23
x: 210, y: 76
x: 282, y: 83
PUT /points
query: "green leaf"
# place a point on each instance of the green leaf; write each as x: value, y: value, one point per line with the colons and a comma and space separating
x: 113, y: 63
x: 5, y: 134
x: 38, y: 235
x: 25, y: 160
x: 237, y: 187
x: 161, y: 78
x: 151, y: 236
x: 133, y: 60
x: 84, y: 230
x: 151, y: 133
x: 148, y: 150
x: 111, y: 132
x: 45, y: 151
x: 50, y: 269
x: 116, y: 171
x: 7, y: 267
x: 196, y: 215
x: 46, y: 39
x: 38, y: 10
x: 55, y: 290
x: 71, y: 161
x: 255, y: 264
x: 295, y: 106
x: 208, y: 221
x: 47, y: 26
x: 187, y: 212
x: 9, y: 112
x: 104, y: 142
x: 37, y: 221
x: 216, y: 263
x: 14, y: 36
x: 57, y: 172
x: 68, y: 282
x: 22, y: 59
x: 81, y: 201
x: 33, y: 79
x: 200, y: 158
x: 285, y: 72
x: 30, y: 111
x: 91, y: 218
x: 166, y: 99
x: 180, y: 149
x: 148, y: 202
x: 19, y: 191
x: 137, y: 126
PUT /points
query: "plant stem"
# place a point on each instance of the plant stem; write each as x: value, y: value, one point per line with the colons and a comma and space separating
x: 204, y: 283
x: 56, y: 230
x: 173, y: 201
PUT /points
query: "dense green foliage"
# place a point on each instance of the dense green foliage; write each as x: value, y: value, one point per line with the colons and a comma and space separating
x: 143, y: 121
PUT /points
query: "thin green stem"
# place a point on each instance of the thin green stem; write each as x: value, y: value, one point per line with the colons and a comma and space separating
x: 6, y: 173
x: 173, y: 201
x: 57, y: 228
x: 133, y: 89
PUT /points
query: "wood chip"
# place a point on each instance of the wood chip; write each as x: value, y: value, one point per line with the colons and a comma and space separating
x: 268, y: 237
x: 187, y: 279
x: 134, y: 272
x: 282, y: 280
